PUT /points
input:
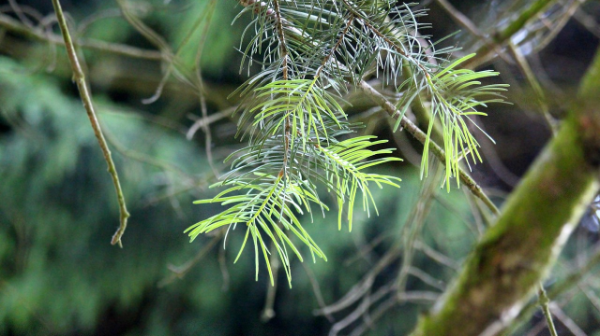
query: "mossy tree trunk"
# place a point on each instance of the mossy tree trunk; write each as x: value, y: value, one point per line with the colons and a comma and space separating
x: 515, y: 255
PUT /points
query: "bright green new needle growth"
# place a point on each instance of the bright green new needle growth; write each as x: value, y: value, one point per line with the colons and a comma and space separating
x: 455, y: 95
x: 300, y: 142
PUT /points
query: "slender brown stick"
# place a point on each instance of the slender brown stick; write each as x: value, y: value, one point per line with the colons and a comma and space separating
x: 179, y: 272
x: 463, y: 21
x: 268, y: 311
x: 486, y: 51
x: 460, y: 18
x: 418, y: 134
x: 529, y: 74
x: 16, y: 27
x: 544, y: 303
x: 86, y: 97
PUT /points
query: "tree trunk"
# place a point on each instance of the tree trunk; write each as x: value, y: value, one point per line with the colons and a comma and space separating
x: 515, y: 254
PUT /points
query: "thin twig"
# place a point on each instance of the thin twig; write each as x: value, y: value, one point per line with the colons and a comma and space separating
x: 205, y: 121
x: 436, y: 256
x: 202, y: 91
x: 207, y: 13
x: 159, y: 42
x: 43, y: 26
x: 535, y: 85
x: 591, y: 296
x: 86, y: 97
x: 393, y: 301
x: 414, y: 225
x: 567, y: 321
x: 363, y: 308
x: 537, y: 329
x: 557, y: 289
x: 406, y: 247
x: 268, y: 311
x: 418, y: 134
x: 361, y: 289
x: 180, y: 271
x: 19, y: 13
x: 146, y: 159
x: 15, y: 26
x: 86, y: 23
x: 404, y: 145
x: 588, y: 21
x: 367, y: 249
x: 556, y: 25
x: 418, y: 297
x: 503, y: 36
x: 317, y: 290
x: 426, y: 278
x: 463, y: 21
x: 494, y: 160
x: 544, y: 303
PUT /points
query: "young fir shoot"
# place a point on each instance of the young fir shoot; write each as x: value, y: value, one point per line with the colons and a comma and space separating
x: 312, y: 52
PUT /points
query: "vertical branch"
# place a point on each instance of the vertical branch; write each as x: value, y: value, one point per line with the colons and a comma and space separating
x: 284, y: 55
x: 413, y: 227
x: 86, y: 97
x: 200, y: 80
x: 544, y: 302
x: 535, y: 85
x: 268, y: 311
x: 281, y: 37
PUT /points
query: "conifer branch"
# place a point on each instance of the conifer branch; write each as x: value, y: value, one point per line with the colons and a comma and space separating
x: 450, y: 161
x: 421, y: 136
x: 293, y: 121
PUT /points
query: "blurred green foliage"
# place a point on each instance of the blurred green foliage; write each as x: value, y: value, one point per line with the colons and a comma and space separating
x: 60, y: 275
x: 221, y: 36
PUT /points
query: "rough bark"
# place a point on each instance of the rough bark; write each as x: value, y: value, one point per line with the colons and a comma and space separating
x: 516, y: 253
